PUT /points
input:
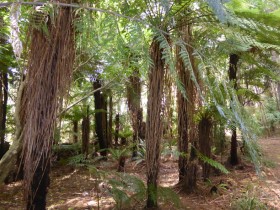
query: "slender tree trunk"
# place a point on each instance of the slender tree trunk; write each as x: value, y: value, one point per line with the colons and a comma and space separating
x: 85, y: 132
x: 154, y: 122
x: 233, y: 60
x: 75, y: 131
x: 49, y: 73
x: 100, y: 117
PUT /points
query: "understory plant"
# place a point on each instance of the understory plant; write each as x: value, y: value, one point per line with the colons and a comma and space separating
x: 129, y: 191
x: 248, y: 201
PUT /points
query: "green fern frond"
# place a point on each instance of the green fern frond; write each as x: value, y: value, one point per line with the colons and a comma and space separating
x: 211, y: 162
x: 168, y: 196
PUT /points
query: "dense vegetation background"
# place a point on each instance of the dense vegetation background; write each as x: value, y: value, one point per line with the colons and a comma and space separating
x: 85, y: 82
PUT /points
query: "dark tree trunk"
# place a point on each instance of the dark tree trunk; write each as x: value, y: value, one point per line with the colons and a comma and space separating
x: 75, y: 131
x: 117, y: 129
x: 100, y: 118
x: 204, y: 135
x: 85, y: 133
x: 154, y: 122
x: 40, y: 184
x: 233, y: 148
x: 233, y: 60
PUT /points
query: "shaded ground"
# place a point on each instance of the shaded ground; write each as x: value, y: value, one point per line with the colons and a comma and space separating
x: 77, y: 188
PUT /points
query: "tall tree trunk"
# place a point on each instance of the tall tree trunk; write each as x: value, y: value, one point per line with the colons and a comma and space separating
x: 154, y: 121
x: 49, y: 73
x: 100, y: 117
x: 204, y: 135
x: 134, y: 100
x: 233, y: 60
x: 85, y: 133
x: 75, y: 131
x: 186, y: 109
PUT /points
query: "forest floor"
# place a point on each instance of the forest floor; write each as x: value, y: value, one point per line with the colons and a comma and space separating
x: 76, y: 188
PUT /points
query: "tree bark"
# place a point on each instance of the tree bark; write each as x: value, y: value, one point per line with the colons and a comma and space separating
x: 154, y: 122
x: 233, y: 60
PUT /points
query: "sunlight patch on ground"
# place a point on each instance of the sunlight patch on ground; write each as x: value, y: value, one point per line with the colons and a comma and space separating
x: 68, y: 176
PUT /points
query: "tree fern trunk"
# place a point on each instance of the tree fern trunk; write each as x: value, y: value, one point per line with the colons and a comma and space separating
x: 50, y: 65
x: 154, y: 122
x: 186, y: 109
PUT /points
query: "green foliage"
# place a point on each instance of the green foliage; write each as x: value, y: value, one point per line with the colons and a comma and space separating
x: 170, y: 148
x: 129, y: 191
x: 126, y: 190
x: 117, y: 153
x: 168, y: 196
x: 269, y: 118
x: 78, y: 160
x: 220, y: 186
x: 211, y: 162
x: 68, y: 153
x: 269, y: 163
x: 248, y: 202
x: 272, y: 114
x: 125, y: 133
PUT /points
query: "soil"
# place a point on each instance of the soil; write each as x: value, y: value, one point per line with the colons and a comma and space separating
x: 77, y: 187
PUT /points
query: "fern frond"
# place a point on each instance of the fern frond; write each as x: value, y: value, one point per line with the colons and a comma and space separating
x: 211, y: 162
